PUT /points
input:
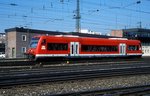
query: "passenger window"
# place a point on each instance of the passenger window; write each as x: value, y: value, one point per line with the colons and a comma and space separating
x: 98, y: 48
x: 57, y: 46
x: 133, y: 47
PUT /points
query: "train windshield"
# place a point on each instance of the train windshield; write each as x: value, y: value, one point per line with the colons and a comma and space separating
x: 34, y: 42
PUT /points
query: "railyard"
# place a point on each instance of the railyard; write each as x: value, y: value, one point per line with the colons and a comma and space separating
x: 91, y: 77
x: 74, y: 48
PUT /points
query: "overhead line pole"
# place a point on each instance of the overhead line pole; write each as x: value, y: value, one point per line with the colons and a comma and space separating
x: 78, y: 17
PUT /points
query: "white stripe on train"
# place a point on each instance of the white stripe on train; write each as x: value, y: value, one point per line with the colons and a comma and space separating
x: 100, y: 55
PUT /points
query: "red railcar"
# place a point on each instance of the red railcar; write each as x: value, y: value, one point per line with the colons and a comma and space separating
x: 85, y: 47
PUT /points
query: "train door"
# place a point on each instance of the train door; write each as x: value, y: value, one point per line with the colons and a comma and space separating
x: 122, y: 49
x: 74, y: 48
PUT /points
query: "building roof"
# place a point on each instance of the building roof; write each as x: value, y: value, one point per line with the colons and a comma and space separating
x: 34, y: 31
x: 140, y: 34
x: 136, y: 30
x: 56, y: 32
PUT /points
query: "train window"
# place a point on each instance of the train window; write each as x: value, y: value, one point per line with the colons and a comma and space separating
x: 34, y: 42
x: 43, y: 42
x: 57, y: 46
x: 76, y: 49
x: 133, y: 47
x: 72, y: 49
x: 98, y: 48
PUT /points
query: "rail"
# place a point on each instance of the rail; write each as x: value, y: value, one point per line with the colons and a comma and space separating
x: 39, y: 76
x: 26, y: 62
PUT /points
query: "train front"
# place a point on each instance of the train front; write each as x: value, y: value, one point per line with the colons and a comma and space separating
x: 31, y: 53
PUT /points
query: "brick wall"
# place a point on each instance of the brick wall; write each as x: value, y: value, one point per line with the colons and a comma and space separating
x: 118, y: 33
x: 10, y: 49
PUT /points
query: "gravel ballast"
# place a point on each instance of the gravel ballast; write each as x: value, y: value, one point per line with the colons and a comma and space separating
x: 76, y: 85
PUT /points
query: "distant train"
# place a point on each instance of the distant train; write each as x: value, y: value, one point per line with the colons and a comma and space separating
x: 66, y: 46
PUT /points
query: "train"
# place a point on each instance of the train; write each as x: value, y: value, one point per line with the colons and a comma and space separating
x: 69, y: 46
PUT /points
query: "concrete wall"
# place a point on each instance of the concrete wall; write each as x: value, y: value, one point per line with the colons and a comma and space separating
x: 118, y: 33
x: 20, y: 43
x: 10, y: 49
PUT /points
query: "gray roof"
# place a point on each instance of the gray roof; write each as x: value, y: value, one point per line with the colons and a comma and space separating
x: 136, y: 30
x: 34, y: 31
x: 56, y: 32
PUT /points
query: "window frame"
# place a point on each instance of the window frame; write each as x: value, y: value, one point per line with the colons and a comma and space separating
x: 24, y: 37
x: 23, y: 49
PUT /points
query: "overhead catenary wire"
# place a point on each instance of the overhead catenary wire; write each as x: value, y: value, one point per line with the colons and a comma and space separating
x: 36, y: 11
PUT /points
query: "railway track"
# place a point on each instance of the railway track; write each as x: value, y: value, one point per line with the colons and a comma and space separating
x: 81, y: 66
x: 59, y: 74
x: 26, y: 62
x: 27, y: 65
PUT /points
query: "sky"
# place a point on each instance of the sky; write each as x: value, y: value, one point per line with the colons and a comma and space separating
x: 58, y: 15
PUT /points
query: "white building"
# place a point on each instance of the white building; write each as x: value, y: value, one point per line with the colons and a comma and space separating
x: 89, y: 32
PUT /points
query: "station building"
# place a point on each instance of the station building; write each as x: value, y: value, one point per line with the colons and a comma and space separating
x: 136, y: 33
x: 18, y: 40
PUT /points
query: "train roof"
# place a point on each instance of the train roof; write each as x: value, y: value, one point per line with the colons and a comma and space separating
x: 87, y: 39
x: 90, y: 35
x: 72, y: 36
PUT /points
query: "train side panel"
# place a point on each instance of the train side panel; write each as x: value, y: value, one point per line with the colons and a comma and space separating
x: 98, y: 47
x: 76, y: 47
x: 52, y: 47
x: 134, y: 48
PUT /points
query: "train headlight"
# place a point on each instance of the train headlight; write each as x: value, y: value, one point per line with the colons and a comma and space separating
x: 43, y: 47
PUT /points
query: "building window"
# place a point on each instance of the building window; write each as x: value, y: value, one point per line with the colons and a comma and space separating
x: 24, y: 38
x: 23, y: 49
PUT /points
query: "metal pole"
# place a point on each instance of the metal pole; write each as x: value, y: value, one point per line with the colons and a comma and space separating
x: 78, y: 17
